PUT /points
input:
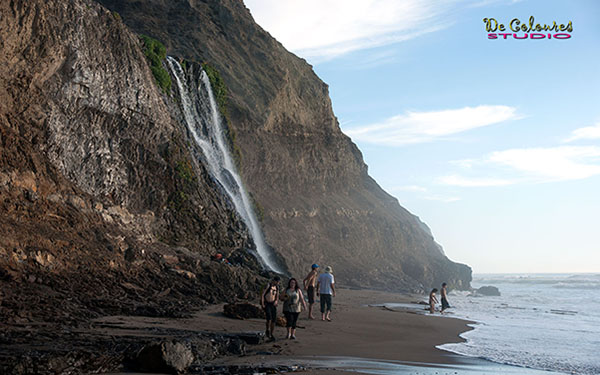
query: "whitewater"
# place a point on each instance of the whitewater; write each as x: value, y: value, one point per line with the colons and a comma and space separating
x: 541, y: 321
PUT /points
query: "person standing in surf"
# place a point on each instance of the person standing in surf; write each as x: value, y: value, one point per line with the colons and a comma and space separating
x: 444, y: 294
x: 432, y: 300
x: 326, y: 291
x: 268, y: 301
x: 310, y: 282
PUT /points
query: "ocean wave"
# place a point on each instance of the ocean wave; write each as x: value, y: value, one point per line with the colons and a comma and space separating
x: 542, y: 279
x: 520, y: 359
x: 547, y: 322
x: 579, y: 285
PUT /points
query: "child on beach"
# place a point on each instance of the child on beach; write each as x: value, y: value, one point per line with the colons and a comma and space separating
x: 432, y: 300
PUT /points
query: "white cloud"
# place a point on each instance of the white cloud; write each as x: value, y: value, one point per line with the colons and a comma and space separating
x: 532, y: 165
x: 411, y: 188
x: 588, y: 132
x: 456, y: 180
x: 418, y: 127
x: 441, y: 198
x: 464, y: 163
x: 324, y: 29
x: 552, y: 164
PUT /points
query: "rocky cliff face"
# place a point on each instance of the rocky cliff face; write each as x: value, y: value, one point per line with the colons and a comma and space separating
x: 102, y: 210
x: 319, y: 203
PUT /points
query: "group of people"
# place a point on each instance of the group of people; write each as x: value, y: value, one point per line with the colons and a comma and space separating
x: 433, y: 300
x: 315, y: 284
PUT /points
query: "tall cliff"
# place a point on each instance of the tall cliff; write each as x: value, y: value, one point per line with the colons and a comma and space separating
x: 102, y: 209
x: 318, y: 202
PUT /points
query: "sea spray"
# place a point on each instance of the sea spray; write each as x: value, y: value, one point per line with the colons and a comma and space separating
x: 204, y: 122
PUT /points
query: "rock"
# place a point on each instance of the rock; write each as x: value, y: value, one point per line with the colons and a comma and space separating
x: 243, y: 311
x: 280, y: 321
x: 488, y: 291
x: 166, y: 357
x: 188, y: 274
x: 251, y: 338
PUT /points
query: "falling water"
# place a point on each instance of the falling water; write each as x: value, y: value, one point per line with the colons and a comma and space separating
x: 204, y: 123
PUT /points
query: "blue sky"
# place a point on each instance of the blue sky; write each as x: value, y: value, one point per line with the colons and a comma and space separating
x: 495, y: 144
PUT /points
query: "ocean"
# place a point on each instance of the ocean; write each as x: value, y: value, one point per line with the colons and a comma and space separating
x: 541, y: 321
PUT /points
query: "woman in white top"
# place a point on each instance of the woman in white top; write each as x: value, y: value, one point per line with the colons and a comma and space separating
x: 292, y: 298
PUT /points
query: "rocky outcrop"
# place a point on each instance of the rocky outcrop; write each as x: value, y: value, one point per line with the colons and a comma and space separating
x: 102, y: 210
x: 243, y: 311
x: 171, y: 357
x: 487, y: 290
x: 319, y: 203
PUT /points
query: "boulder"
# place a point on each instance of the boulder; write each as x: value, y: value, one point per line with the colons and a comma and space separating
x: 243, y: 311
x: 488, y: 291
x: 170, y: 357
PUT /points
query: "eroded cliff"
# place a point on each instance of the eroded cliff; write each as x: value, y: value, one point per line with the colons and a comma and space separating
x: 102, y: 209
x: 319, y: 203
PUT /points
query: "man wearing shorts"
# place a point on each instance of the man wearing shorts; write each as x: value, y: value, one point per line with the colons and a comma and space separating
x: 326, y: 291
x: 309, y: 285
x: 268, y: 301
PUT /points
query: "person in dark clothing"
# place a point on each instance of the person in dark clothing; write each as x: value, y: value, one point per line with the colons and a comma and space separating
x: 268, y: 301
x: 444, y: 293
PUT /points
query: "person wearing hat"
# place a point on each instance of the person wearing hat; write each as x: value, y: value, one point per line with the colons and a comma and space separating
x: 326, y: 290
x: 268, y: 301
x: 309, y: 285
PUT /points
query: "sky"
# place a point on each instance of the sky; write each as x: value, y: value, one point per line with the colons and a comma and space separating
x: 494, y: 143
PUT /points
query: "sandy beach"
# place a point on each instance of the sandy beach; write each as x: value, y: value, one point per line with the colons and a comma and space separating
x: 362, y: 337
x: 357, y: 330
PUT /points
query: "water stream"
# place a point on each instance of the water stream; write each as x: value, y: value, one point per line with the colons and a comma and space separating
x: 204, y: 123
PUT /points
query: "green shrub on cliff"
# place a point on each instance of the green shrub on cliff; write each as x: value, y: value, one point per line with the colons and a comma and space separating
x: 156, y: 52
x: 185, y: 171
x: 177, y: 200
x: 116, y: 16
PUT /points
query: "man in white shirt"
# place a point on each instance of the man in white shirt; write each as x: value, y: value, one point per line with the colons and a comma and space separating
x: 326, y: 290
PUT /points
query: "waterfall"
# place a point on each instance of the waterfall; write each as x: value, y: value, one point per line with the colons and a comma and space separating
x: 204, y: 122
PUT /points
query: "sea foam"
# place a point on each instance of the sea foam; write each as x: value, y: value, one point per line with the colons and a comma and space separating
x: 543, y: 321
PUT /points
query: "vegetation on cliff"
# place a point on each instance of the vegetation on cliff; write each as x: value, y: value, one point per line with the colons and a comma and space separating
x: 156, y: 52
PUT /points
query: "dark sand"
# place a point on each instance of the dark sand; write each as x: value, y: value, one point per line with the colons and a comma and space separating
x: 361, y: 338
x: 357, y: 330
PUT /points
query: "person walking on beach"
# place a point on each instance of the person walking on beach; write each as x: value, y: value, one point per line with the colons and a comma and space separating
x: 444, y: 294
x: 310, y: 282
x: 326, y: 291
x: 432, y: 300
x: 268, y: 301
x: 292, y: 298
